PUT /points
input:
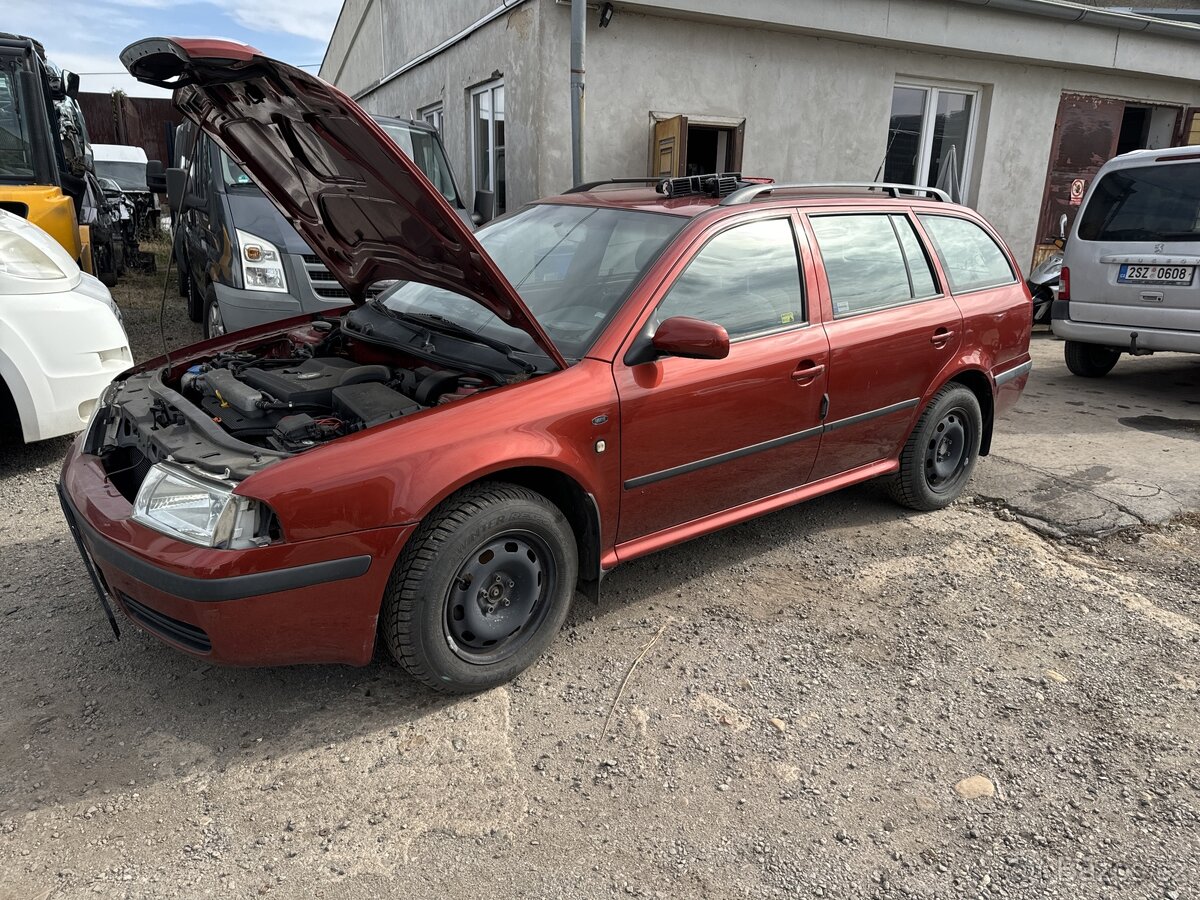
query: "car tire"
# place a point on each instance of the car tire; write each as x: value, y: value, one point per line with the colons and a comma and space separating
x: 940, y: 454
x: 195, y: 297
x: 490, y: 557
x: 1090, y: 360
x: 214, y: 322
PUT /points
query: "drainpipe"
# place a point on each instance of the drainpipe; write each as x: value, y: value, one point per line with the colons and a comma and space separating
x: 578, y: 20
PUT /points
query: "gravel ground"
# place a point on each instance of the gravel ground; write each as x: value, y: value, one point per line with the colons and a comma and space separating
x: 840, y: 700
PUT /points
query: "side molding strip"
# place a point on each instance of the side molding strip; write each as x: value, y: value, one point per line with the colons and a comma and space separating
x: 1015, y: 372
x: 643, y: 480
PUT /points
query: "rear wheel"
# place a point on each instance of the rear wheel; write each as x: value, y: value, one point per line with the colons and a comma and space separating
x: 940, y: 455
x: 481, y: 589
x: 1090, y: 360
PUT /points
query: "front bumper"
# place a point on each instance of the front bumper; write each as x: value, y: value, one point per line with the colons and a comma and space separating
x: 310, y: 602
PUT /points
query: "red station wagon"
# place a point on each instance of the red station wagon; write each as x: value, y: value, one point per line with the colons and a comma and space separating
x: 592, y: 378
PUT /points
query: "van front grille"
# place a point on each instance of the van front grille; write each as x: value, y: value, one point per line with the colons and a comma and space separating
x: 324, y: 284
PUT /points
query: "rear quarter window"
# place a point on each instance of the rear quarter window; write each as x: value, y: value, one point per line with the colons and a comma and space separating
x: 970, y: 257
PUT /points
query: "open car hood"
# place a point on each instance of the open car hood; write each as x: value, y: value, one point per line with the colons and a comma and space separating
x: 362, y: 205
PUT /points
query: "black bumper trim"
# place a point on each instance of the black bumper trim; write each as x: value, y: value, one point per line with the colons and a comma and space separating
x: 211, y: 590
x: 1015, y: 372
x: 1060, y: 309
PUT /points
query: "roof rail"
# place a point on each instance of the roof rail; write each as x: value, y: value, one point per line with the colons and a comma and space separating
x: 754, y: 191
x: 589, y: 185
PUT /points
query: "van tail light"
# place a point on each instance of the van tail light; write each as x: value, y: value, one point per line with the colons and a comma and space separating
x: 1064, y: 284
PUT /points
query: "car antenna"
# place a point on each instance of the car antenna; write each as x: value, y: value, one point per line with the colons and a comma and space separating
x: 175, y: 232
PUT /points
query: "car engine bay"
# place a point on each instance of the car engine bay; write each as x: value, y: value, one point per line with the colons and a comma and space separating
x: 241, y: 409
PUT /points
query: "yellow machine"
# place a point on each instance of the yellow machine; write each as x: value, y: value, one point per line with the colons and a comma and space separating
x: 41, y: 178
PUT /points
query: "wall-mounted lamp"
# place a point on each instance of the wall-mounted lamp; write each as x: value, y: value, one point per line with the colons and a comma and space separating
x: 606, y: 13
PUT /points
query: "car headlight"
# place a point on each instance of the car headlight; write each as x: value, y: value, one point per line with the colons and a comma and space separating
x: 196, y: 510
x: 262, y: 263
x: 22, y: 258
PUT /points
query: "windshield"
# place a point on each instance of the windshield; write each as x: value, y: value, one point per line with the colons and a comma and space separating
x: 234, y: 174
x: 424, y: 148
x: 572, y: 265
x: 16, y: 150
x: 131, y: 176
x: 1151, y: 203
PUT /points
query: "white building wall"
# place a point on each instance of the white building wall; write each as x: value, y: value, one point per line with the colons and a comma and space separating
x: 816, y: 107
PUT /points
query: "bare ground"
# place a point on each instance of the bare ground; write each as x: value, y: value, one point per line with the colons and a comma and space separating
x: 814, y: 685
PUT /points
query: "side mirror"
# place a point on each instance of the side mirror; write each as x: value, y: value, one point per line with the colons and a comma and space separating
x: 176, y: 181
x: 1062, y: 227
x: 691, y: 338
x: 71, y: 83
x: 485, y: 207
x: 156, y: 177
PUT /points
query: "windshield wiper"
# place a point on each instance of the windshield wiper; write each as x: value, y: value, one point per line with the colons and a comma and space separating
x: 434, y: 322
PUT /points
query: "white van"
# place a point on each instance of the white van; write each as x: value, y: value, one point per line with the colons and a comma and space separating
x: 1129, y: 278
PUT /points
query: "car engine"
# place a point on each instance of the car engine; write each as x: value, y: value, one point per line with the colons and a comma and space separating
x: 295, y: 403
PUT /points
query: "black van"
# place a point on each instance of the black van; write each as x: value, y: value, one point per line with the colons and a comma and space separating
x: 241, y: 264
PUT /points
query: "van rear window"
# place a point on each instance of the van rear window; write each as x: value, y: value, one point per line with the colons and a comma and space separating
x: 1151, y: 203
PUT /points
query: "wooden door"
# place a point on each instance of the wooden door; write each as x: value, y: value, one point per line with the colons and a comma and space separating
x: 1085, y: 138
x: 668, y: 153
x: 1189, y: 136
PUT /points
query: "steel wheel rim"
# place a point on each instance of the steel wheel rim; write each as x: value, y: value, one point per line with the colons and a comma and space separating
x: 216, y: 325
x: 499, y: 597
x: 948, y: 451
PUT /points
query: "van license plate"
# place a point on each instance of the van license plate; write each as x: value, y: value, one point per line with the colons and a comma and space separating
x: 1155, y: 274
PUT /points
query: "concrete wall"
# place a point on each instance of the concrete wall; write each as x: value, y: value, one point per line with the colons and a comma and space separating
x: 816, y: 107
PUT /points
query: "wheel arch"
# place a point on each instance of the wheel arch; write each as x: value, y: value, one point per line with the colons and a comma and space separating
x: 572, y: 499
x: 9, y: 412
x: 980, y: 385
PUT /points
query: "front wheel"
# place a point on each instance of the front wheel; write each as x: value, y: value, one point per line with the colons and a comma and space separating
x: 214, y: 323
x: 481, y: 589
x: 940, y: 455
x: 1090, y: 360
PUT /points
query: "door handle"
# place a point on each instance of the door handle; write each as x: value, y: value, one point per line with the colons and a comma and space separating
x: 941, y: 337
x: 808, y: 372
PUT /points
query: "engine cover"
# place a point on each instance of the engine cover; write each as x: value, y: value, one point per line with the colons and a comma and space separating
x: 311, y: 383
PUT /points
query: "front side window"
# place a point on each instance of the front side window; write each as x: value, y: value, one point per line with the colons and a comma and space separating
x: 16, y: 147
x: 929, y: 138
x: 971, y: 259
x: 554, y: 255
x: 746, y: 279
x: 1151, y: 203
x: 487, y: 141
x: 424, y: 148
x: 872, y: 261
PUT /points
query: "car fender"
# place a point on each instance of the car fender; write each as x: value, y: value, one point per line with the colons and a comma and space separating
x: 396, y: 474
x: 23, y: 392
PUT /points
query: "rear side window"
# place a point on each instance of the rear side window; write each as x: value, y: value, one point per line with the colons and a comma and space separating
x: 871, y: 262
x: 1153, y: 203
x: 972, y: 260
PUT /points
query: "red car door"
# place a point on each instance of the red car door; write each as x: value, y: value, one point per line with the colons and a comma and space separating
x: 700, y: 436
x: 892, y: 330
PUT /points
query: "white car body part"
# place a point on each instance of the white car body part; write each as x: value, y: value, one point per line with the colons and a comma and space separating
x: 61, y: 338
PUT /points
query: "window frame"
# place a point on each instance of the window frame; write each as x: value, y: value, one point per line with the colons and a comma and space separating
x: 913, y: 223
x: 701, y: 244
x: 489, y: 88
x: 1013, y: 270
x: 433, y: 115
x: 932, y: 88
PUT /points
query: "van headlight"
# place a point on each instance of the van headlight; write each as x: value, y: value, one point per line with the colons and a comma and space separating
x: 196, y: 510
x: 262, y: 263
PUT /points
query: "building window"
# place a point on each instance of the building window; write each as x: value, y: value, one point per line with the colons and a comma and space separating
x: 930, y: 136
x: 487, y: 140
x: 432, y: 116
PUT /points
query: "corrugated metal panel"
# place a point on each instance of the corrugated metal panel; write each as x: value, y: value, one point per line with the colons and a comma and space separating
x: 146, y: 122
